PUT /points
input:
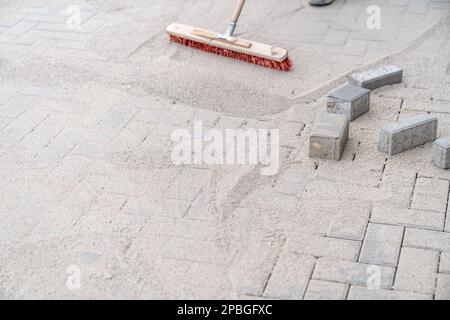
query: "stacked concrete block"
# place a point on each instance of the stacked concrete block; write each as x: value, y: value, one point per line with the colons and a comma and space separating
x: 349, y: 100
x: 441, y: 153
x: 407, y: 134
x: 375, y: 78
x: 329, y: 136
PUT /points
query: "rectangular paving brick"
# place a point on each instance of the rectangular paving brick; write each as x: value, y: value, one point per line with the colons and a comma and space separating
x: 290, y: 277
x: 381, y: 244
x: 441, y: 153
x: 350, y: 100
x: 12, y: 19
x: 30, y: 37
x: 444, y: 262
x: 378, y: 77
x: 417, y: 270
x: 408, y: 218
x: 329, y: 136
x: 20, y: 127
x: 16, y: 105
x: 252, y: 267
x: 324, y: 247
x: 430, y: 194
x: 20, y: 28
x: 351, y: 272
x: 350, y: 224
x: 443, y: 287
x: 325, y: 290
x: 363, y: 293
x: 408, y: 133
x: 427, y: 239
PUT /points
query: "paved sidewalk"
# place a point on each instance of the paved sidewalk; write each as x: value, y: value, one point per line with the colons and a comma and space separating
x: 89, y: 187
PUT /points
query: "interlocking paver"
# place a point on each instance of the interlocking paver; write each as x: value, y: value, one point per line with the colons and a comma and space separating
x: 351, y: 272
x: 86, y: 170
x: 381, y: 244
x: 419, y: 265
x: 443, y: 287
x: 430, y: 195
x: 324, y: 247
x: 290, y: 277
x: 254, y: 265
x: 362, y: 293
x: 408, y: 218
x: 427, y: 239
x: 326, y: 290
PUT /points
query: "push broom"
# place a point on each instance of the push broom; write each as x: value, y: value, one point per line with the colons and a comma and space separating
x: 229, y: 46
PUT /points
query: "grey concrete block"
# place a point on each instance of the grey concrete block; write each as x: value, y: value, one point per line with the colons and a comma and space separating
x: 326, y: 290
x: 351, y: 272
x: 290, y: 277
x: 443, y: 287
x: 430, y: 194
x: 362, y: 293
x: 420, y: 265
x: 408, y: 133
x: 381, y: 244
x: 375, y: 78
x: 350, y: 100
x: 441, y: 153
x: 329, y: 136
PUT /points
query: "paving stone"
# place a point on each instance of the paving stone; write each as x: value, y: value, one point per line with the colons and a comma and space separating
x: 19, y: 128
x: 325, y: 290
x: 12, y: 19
x: 430, y: 194
x: 443, y: 287
x: 351, y: 272
x: 407, y: 218
x: 349, y: 100
x: 324, y: 247
x: 444, y: 262
x: 441, y: 153
x: 375, y: 78
x: 20, y: 28
x: 252, y: 268
x: 30, y: 37
x: 117, y: 118
x: 16, y: 106
x: 350, y: 224
x: 419, y: 265
x: 362, y: 293
x: 40, y: 137
x: 91, y: 26
x: 427, y: 239
x: 381, y: 244
x: 45, y: 18
x: 58, y: 27
x: 290, y: 277
x: 329, y: 136
x: 408, y: 133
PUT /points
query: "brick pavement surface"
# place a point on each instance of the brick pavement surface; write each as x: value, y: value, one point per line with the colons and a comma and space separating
x: 91, y: 92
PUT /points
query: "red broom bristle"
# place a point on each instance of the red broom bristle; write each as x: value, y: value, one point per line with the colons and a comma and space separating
x: 285, y: 65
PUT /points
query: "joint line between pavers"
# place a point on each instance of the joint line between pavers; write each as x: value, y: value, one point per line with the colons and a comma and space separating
x: 273, y: 267
x: 365, y: 232
x: 446, y: 211
x: 400, y: 109
x: 436, y: 278
x: 398, y: 258
x: 309, y: 278
x: 413, y: 190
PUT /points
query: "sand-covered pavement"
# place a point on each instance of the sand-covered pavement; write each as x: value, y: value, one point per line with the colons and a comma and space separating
x: 93, y: 206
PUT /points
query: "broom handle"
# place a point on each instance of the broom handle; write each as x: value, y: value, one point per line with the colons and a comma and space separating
x: 237, y: 11
x: 232, y: 25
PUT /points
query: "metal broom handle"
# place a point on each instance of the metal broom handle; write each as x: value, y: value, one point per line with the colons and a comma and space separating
x: 235, y: 18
